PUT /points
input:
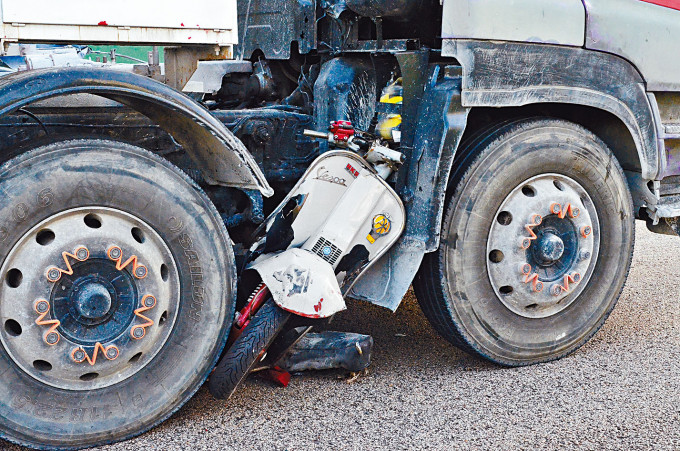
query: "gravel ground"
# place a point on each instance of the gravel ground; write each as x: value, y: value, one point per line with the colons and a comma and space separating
x: 621, y: 390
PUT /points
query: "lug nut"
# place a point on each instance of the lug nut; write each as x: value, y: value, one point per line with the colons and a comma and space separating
x: 52, y: 338
x: 112, y: 353
x: 140, y: 272
x: 585, y: 255
x: 78, y: 355
x: 556, y: 290
x: 138, y: 332
x: 586, y: 231
x: 42, y: 307
x: 525, y: 269
x: 82, y: 254
x: 526, y: 243
x: 53, y: 274
x: 538, y: 287
x: 115, y: 252
x: 149, y: 301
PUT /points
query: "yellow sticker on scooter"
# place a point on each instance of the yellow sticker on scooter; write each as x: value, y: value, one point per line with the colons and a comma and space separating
x: 382, y: 225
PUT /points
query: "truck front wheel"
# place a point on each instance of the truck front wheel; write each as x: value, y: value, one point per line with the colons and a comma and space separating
x: 536, y: 245
x: 116, y: 293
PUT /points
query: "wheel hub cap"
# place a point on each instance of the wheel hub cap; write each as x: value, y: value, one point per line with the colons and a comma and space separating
x: 542, y: 245
x: 550, y: 248
x: 93, y: 301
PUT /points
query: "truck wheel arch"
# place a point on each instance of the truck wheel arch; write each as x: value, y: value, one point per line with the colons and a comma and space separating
x: 222, y: 158
x: 501, y: 75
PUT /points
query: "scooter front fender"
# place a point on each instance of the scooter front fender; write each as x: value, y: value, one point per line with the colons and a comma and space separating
x: 301, y: 282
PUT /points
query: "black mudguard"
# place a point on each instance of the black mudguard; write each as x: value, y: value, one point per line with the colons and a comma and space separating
x: 221, y: 157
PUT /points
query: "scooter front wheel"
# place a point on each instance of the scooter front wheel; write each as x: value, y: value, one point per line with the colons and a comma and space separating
x: 247, y: 350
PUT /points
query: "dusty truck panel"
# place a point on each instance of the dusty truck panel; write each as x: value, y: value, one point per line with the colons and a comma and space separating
x: 515, y: 74
x: 644, y: 32
x: 175, y: 21
x: 556, y: 22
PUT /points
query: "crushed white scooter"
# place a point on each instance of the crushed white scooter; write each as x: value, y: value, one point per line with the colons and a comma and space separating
x: 340, y: 218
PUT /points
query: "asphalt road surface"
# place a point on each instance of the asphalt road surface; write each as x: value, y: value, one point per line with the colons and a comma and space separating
x: 619, y: 391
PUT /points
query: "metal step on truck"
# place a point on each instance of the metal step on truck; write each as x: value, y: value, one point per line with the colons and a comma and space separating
x: 164, y: 224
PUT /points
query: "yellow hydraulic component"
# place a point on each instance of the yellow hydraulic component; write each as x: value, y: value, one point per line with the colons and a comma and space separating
x: 388, y: 123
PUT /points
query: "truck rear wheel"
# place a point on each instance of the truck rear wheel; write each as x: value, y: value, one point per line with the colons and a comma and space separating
x: 116, y: 293
x: 537, y: 240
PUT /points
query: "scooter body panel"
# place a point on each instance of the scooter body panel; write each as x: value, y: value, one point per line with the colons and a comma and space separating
x: 302, y: 283
x: 343, y: 214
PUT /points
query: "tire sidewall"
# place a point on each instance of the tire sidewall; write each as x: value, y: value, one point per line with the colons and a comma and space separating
x: 534, y: 148
x: 74, y: 174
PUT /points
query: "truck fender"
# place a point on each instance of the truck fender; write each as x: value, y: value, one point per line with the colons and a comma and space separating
x: 301, y: 283
x: 219, y: 155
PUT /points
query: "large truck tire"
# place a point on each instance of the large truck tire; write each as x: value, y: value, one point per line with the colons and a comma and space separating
x: 537, y: 240
x: 116, y: 293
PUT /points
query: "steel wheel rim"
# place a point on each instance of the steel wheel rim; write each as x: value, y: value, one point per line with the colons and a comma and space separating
x: 98, y: 319
x: 542, y: 246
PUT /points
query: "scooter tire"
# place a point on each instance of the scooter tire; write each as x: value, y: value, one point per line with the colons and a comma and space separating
x: 247, y: 350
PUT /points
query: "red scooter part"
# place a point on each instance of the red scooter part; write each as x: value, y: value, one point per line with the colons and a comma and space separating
x: 243, y: 317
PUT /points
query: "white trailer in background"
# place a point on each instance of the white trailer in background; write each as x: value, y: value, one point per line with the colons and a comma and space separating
x: 205, y: 22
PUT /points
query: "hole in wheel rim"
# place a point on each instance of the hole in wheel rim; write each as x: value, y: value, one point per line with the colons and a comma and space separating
x: 558, y: 185
x: 42, y: 365
x: 92, y: 221
x: 529, y: 191
x: 135, y: 358
x: 44, y: 237
x: 138, y: 235
x: 504, y: 218
x: 89, y: 376
x: 531, y: 307
x: 13, y: 328
x: 506, y: 289
x: 164, y: 272
x: 163, y: 318
x: 496, y: 256
x: 14, y: 278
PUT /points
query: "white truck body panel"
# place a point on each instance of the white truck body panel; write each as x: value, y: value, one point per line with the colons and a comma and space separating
x: 127, y: 21
x: 645, y: 34
x: 555, y: 22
